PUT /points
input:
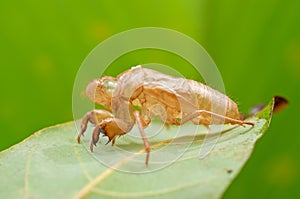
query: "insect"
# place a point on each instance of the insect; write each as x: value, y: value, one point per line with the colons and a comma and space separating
x: 138, y: 94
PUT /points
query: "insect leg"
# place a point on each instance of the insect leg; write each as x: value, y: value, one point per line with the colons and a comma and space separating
x: 143, y: 134
x: 95, y: 116
x: 199, y: 112
x: 95, y: 136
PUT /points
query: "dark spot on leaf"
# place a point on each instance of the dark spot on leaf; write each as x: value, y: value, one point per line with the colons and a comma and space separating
x: 229, y: 171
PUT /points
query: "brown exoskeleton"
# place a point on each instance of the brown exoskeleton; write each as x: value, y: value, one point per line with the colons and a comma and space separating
x: 174, y: 100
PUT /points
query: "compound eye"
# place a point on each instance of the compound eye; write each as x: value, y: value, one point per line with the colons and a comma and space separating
x: 109, y: 85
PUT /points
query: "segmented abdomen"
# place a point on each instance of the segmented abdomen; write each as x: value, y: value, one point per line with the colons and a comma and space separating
x: 212, y: 100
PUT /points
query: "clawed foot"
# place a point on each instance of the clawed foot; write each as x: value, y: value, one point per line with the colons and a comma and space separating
x: 110, y: 127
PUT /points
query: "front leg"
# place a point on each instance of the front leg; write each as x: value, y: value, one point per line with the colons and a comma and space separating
x: 95, y: 116
x: 110, y: 127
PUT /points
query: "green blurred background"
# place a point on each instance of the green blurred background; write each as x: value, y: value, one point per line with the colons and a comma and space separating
x: 255, y: 44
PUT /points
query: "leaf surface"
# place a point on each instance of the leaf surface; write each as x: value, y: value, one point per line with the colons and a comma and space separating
x: 51, y: 164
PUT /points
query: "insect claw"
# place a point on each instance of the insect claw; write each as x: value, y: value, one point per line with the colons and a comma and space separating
x: 113, y: 141
x: 94, y: 142
x: 92, y: 147
x: 107, y: 142
x: 79, y: 135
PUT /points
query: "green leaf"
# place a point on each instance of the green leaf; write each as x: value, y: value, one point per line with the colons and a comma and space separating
x: 51, y: 164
